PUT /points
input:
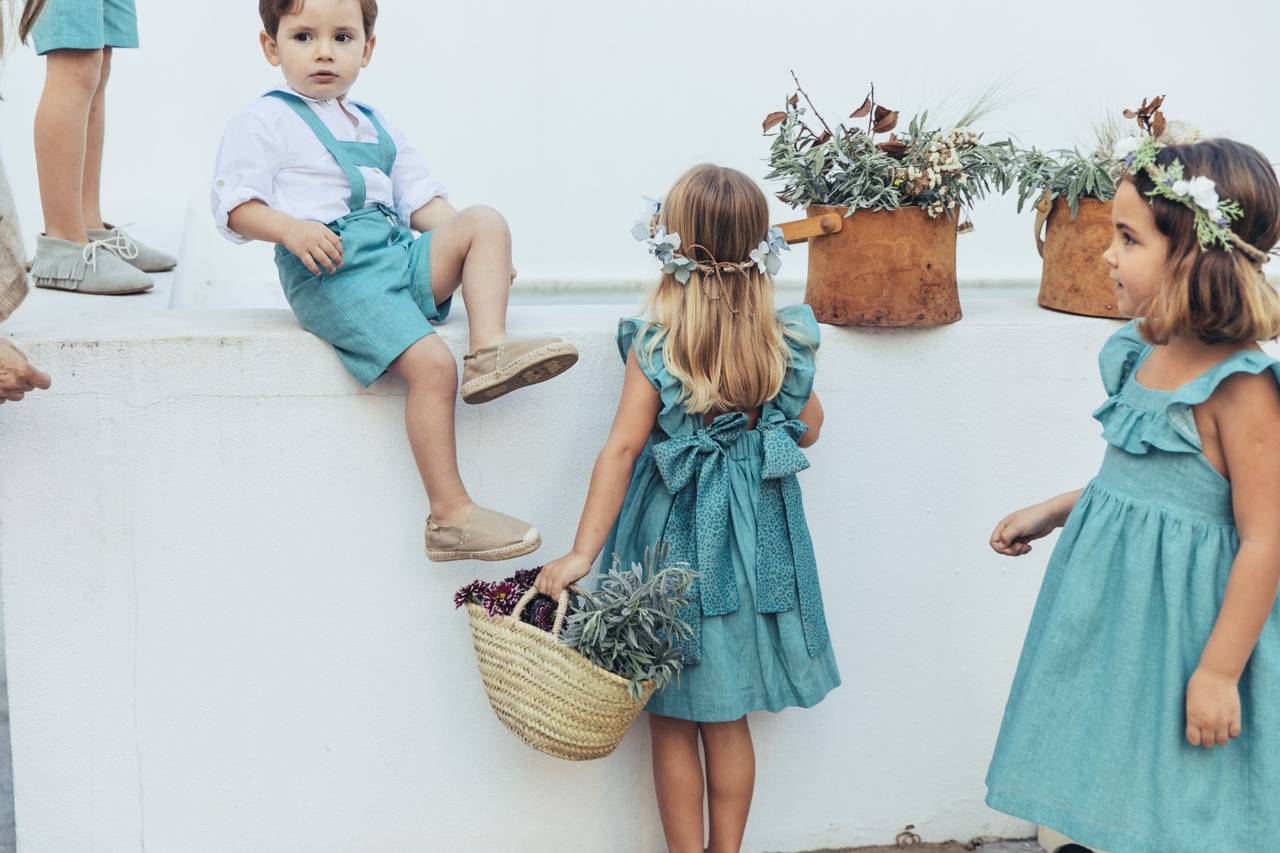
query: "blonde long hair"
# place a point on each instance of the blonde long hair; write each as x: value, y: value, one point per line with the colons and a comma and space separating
x: 718, y: 333
x: 30, y: 11
x: 1215, y: 295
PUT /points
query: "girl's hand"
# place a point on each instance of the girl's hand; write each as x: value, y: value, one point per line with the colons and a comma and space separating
x: 558, y: 574
x: 1013, y: 535
x: 1213, y: 709
x: 313, y: 244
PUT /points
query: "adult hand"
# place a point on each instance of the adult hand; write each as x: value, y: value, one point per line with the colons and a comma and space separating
x: 17, y: 376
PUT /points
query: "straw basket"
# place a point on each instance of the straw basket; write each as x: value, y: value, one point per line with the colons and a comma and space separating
x: 547, y: 694
x: 1075, y: 279
x: 879, y: 267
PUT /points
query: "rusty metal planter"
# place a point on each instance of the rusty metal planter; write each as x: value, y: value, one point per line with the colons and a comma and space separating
x: 1074, y: 278
x: 879, y: 267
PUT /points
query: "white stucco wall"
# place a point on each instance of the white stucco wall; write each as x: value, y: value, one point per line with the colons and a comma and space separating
x: 561, y: 114
x: 223, y: 634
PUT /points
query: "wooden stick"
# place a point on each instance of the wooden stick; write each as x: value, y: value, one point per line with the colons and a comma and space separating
x: 814, y: 226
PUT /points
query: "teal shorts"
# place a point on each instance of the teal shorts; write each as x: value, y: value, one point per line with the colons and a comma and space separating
x: 86, y: 25
x: 378, y: 303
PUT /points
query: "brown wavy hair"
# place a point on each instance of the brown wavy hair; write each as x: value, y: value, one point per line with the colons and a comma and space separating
x: 719, y: 336
x: 271, y: 11
x: 1216, y: 295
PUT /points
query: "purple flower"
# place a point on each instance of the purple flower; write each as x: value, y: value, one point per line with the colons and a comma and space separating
x: 500, y: 598
x: 472, y: 592
x: 544, y: 614
x: 525, y: 577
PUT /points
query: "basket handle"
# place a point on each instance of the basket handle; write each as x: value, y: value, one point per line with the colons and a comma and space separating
x: 562, y: 606
x: 1043, y: 206
x: 811, y: 226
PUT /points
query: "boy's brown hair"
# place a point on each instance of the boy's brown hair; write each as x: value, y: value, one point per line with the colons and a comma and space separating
x: 273, y: 10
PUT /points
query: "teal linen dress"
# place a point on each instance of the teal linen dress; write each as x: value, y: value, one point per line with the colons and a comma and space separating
x: 1092, y: 742
x: 725, y: 500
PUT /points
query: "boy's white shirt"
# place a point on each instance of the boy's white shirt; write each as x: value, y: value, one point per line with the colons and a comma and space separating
x: 269, y: 153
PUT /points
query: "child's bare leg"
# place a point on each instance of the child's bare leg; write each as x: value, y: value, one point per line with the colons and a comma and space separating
x: 71, y: 80
x: 429, y: 369
x: 677, y: 779
x: 473, y: 250
x: 731, y: 777
x: 90, y: 193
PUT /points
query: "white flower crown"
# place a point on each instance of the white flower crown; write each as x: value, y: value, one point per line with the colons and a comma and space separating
x: 666, y: 248
x: 1213, y: 214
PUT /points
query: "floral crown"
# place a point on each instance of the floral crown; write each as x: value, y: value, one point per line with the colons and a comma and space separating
x: 666, y: 248
x: 1213, y: 214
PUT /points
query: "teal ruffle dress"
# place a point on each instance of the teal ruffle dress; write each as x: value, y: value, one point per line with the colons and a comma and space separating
x: 725, y: 500
x: 1093, y: 739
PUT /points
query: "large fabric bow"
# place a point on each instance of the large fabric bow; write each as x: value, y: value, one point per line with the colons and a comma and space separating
x: 786, y: 568
x: 694, y: 469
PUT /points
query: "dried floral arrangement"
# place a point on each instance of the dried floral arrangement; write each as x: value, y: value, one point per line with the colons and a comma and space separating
x: 939, y: 169
x: 628, y: 626
x: 1074, y: 175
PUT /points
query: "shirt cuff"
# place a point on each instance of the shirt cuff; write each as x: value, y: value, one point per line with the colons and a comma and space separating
x: 226, y: 200
x: 417, y: 197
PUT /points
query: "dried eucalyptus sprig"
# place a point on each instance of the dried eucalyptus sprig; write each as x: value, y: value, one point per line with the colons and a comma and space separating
x: 937, y: 169
x: 629, y: 625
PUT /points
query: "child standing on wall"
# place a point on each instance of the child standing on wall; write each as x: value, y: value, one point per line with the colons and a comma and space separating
x: 340, y: 192
x: 716, y: 403
x: 1145, y: 713
x: 78, y: 251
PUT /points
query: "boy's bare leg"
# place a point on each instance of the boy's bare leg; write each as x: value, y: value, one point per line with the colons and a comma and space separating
x: 473, y: 251
x: 432, y: 375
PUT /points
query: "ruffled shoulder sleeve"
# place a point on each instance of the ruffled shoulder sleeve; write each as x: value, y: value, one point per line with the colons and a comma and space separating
x: 635, y: 334
x: 1139, y: 419
x: 629, y: 338
x: 1250, y: 361
x: 802, y: 338
x: 1119, y: 354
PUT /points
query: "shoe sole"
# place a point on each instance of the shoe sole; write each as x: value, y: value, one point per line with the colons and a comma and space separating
x: 96, y: 293
x: 510, y: 552
x: 530, y: 369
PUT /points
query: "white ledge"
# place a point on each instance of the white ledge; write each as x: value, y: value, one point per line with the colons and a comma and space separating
x: 223, y: 634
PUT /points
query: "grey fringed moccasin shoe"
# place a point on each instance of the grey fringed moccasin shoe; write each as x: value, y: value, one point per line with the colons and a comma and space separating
x: 92, y: 268
x: 130, y: 249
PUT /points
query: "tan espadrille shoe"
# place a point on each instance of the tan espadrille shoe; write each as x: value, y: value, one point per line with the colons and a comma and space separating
x: 492, y: 371
x: 485, y: 535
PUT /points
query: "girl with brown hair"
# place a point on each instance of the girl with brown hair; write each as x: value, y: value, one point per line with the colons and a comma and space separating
x: 1145, y: 712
